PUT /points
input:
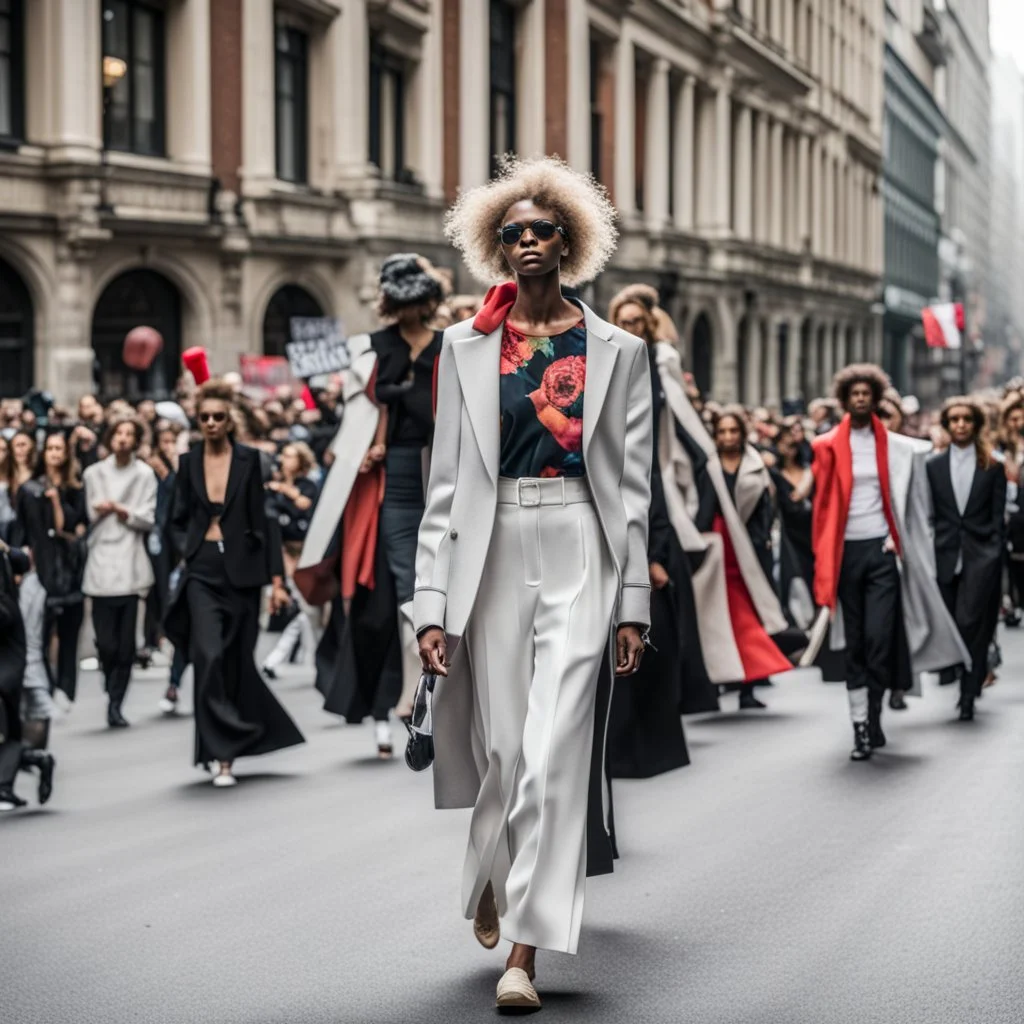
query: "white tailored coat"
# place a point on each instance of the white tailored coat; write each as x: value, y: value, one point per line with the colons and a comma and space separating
x: 461, y: 500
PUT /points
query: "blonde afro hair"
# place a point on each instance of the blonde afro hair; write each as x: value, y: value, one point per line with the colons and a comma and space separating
x: 579, y: 202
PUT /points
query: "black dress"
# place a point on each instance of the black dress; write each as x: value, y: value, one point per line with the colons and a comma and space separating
x: 215, y: 611
x: 645, y: 731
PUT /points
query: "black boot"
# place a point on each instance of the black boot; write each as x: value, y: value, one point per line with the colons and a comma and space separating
x: 875, y: 735
x: 966, y: 709
x: 10, y: 801
x: 896, y: 701
x: 861, y: 742
x: 748, y: 700
x: 114, y: 717
x: 45, y: 763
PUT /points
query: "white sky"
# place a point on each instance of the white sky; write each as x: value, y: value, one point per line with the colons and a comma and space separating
x: 1006, y: 18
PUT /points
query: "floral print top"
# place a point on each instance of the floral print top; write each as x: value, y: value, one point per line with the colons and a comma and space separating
x: 542, y: 384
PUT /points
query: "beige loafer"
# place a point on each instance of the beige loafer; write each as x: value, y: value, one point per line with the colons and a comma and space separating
x: 487, y: 933
x: 516, y: 992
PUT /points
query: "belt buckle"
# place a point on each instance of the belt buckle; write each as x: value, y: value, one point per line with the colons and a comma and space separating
x: 520, y: 498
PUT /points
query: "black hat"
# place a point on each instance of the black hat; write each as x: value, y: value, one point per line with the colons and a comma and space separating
x: 407, y: 279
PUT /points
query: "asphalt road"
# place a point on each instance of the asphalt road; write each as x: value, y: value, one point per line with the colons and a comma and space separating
x: 771, y: 882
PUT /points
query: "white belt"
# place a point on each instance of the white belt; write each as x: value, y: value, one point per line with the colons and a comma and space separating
x: 532, y: 492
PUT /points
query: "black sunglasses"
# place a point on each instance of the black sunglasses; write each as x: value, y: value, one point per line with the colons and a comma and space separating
x: 543, y: 230
x: 216, y: 417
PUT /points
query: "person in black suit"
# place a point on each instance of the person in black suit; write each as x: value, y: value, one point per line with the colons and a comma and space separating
x: 231, y: 550
x: 968, y: 489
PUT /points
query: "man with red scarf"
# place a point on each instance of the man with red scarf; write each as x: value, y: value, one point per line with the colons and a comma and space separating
x: 871, y: 520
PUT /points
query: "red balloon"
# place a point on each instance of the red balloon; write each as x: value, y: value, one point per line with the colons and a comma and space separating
x: 141, y: 346
x: 196, y: 363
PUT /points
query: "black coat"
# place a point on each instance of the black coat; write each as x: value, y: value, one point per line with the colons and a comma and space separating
x: 252, y: 546
x: 12, y: 644
x: 980, y: 533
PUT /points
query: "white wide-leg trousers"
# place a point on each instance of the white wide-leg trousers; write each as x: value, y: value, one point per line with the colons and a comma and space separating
x: 539, y: 631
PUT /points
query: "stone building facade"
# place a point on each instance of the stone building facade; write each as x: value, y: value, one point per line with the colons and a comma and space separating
x: 214, y: 167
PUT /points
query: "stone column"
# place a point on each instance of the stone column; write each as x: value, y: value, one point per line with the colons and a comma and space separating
x: 791, y: 386
x: 776, y: 185
x: 531, y: 115
x: 803, y: 189
x: 474, y: 103
x: 259, y: 163
x: 657, y: 165
x: 829, y: 209
x: 755, y: 355
x: 64, y: 91
x: 761, y: 8
x: 625, y: 120
x: 188, y: 67
x: 682, y: 158
x: 578, y: 99
x: 762, y: 178
x: 771, y: 390
x: 723, y: 155
x: 743, y: 197
x: 817, y: 192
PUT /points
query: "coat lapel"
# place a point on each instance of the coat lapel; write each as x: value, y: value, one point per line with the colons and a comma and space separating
x: 602, y: 352
x: 477, y: 359
x: 944, y: 479
x: 751, y: 480
x: 234, y: 474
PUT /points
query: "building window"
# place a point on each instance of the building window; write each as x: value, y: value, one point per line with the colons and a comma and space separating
x: 387, y: 114
x: 503, y: 80
x: 12, y: 71
x: 292, y: 106
x: 133, y: 77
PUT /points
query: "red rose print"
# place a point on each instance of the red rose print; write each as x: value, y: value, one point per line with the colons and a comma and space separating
x: 563, y: 381
x: 515, y: 351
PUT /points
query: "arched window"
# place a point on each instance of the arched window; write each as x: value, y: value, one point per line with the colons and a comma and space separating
x: 137, y: 298
x: 702, y: 354
x: 288, y: 301
x: 17, y: 352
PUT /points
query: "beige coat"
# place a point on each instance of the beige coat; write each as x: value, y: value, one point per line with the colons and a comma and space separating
x: 721, y: 654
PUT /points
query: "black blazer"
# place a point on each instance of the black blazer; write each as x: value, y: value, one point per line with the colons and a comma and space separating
x: 980, y: 533
x: 252, y: 544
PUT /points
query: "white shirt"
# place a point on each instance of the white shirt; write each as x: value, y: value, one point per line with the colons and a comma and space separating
x: 962, y: 464
x: 866, y: 518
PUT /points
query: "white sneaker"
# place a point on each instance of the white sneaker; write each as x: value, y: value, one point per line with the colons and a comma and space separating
x: 63, y: 701
x: 383, y: 736
x: 89, y: 664
x: 6, y: 805
x: 221, y: 781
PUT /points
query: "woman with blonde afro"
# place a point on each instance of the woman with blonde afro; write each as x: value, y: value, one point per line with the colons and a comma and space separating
x: 532, y: 562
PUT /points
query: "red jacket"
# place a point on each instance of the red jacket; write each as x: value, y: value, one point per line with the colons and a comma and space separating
x: 833, y: 485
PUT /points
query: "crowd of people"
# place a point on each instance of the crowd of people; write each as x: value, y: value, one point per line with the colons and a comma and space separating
x: 536, y: 499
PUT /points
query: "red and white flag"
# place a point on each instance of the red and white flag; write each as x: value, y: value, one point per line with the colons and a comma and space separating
x: 943, y: 325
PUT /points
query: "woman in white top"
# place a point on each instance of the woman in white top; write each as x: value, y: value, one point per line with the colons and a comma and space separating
x: 120, y: 495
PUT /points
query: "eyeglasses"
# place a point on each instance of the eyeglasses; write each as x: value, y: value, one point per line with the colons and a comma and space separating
x: 214, y: 417
x: 543, y: 231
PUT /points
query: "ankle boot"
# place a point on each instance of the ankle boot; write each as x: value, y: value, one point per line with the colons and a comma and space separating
x: 748, y: 699
x: 875, y: 735
x: 45, y: 763
x: 966, y: 709
x: 861, y: 742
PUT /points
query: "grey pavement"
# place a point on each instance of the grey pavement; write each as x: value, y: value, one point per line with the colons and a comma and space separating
x: 771, y: 882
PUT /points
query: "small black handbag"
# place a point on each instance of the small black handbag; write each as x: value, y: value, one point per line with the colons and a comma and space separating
x: 419, y: 751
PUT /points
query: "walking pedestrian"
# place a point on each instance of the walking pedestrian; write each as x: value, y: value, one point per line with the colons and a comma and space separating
x: 231, y: 552
x: 533, y: 551
x: 874, y: 561
x: 968, y: 492
x: 120, y: 496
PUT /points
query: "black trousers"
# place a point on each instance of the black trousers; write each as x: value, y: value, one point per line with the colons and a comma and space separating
x: 869, y: 593
x: 976, y: 615
x: 114, y: 621
x: 67, y: 624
